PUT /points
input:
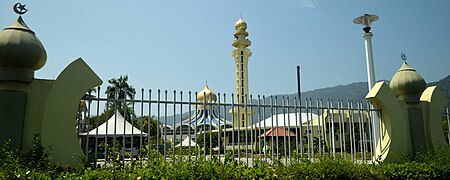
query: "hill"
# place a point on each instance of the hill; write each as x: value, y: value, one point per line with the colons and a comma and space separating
x: 358, y: 91
x: 444, y: 85
x: 354, y: 91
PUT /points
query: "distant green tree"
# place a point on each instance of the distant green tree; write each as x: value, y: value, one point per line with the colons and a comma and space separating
x: 120, y: 90
x: 142, y: 123
x: 121, y: 86
x: 208, y: 142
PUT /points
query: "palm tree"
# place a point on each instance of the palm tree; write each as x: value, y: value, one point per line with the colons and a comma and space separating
x: 82, y: 120
x: 120, y: 89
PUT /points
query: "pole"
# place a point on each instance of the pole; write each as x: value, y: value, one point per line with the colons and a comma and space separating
x: 298, y: 83
x: 366, y: 20
x: 369, y: 58
x: 371, y: 81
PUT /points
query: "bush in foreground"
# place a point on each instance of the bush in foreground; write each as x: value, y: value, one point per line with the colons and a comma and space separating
x: 35, y: 164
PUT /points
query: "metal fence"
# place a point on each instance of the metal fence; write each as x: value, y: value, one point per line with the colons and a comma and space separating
x: 175, y: 124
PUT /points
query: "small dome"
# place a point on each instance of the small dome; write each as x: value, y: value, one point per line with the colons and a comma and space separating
x: 407, y: 81
x: 240, y: 25
x: 210, y: 95
x: 21, y: 53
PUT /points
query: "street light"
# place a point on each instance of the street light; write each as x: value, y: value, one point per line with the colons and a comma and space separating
x: 366, y: 20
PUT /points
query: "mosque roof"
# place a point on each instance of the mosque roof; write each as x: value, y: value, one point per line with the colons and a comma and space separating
x: 407, y: 81
x: 208, y: 93
x: 240, y: 25
x: 241, y: 34
x: 21, y: 53
x: 205, y: 116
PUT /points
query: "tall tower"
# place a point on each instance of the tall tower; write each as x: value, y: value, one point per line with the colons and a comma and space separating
x: 241, y: 54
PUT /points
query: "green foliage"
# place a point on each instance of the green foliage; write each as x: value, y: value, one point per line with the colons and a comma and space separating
x: 120, y: 89
x: 113, y: 153
x: 208, y: 140
x: 20, y: 164
x: 142, y: 123
x: 445, y: 127
x: 37, y: 157
x: 183, y: 151
x: 16, y: 164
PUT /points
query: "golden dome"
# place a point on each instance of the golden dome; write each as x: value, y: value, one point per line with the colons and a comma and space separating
x: 210, y: 95
x: 240, y: 25
x: 407, y: 81
x: 240, y: 35
x: 21, y: 53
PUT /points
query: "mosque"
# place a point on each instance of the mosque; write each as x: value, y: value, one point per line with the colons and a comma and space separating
x: 205, y: 117
x: 411, y: 118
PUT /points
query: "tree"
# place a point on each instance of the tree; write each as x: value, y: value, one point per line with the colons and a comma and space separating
x: 90, y: 93
x: 119, y: 89
x: 81, y: 118
x: 142, y: 123
x: 210, y: 142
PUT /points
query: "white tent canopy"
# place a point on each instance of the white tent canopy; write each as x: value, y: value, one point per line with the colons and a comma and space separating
x: 187, y: 142
x: 116, y: 125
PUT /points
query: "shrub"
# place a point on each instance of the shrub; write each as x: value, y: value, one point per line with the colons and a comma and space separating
x: 20, y: 164
x: 35, y: 164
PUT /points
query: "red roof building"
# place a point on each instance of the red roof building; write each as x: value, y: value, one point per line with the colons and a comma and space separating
x: 277, y: 132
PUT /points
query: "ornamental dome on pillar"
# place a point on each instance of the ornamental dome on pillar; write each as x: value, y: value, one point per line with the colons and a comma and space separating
x: 240, y: 25
x: 241, y: 41
x: 21, y: 53
x: 407, y: 81
x: 207, y: 94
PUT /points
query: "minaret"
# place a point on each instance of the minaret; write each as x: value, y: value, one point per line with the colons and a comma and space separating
x: 241, y: 54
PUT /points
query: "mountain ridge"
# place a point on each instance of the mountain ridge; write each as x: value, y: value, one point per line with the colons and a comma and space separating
x: 353, y: 92
x: 358, y: 91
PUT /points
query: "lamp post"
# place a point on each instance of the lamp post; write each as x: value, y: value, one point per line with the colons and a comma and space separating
x: 366, y: 20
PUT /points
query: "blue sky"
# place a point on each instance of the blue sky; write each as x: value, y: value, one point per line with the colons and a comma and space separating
x: 178, y: 45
